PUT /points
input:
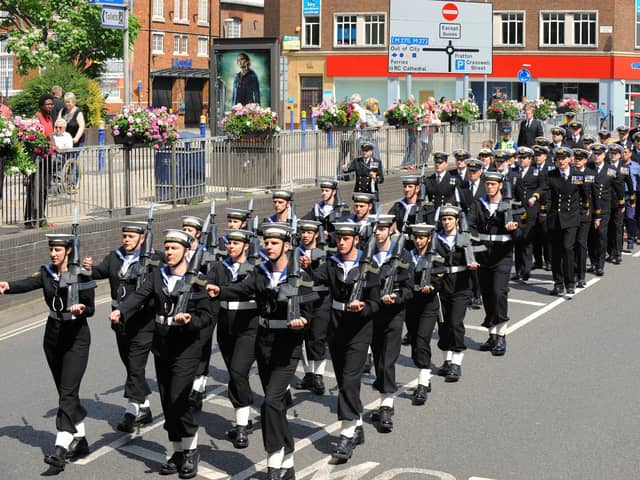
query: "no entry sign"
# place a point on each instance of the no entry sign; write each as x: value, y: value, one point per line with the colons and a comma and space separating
x: 450, y: 11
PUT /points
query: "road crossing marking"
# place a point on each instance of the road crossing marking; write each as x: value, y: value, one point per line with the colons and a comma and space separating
x: 526, y: 302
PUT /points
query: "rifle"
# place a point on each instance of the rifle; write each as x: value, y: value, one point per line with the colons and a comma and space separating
x: 146, y: 251
x: 507, y: 203
x: 212, y: 234
x: 343, y: 208
x: 250, y: 210
x: 365, y: 263
x: 422, y: 195
x: 464, y: 241
x: 291, y: 290
x: 192, y: 277
x: 69, y: 278
x: 253, y: 255
x: 426, y: 263
x: 396, y: 261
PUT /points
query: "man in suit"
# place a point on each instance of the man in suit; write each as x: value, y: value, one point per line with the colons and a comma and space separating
x: 530, y: 128
x: 575, y: 137
x: 567, y: 199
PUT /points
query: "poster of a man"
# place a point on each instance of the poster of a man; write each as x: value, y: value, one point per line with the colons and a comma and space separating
x: 246, y: 86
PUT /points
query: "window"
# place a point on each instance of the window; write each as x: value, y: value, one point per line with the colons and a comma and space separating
x: 180, y: 44
x: 374, y: 30
x: 568, y: 29
x: 584, y: 28
x: 6, y: 69
x: 311, y: 31
x: 203, y: 12
x: 203, y: 47
x: 157, y: 40
x: 158, y: 10
x: 360, y: 30
x: 232, y: 28
x: 508, y: 29
x: 346, y: 29
x: 181, y: 11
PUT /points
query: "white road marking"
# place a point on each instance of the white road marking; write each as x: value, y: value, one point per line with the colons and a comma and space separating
x: 394, y: 472
x: 323, y: 470
x: 518, y: 325
x: 160, y: 459
x: 305, y: 442
x: 526, y: 302
x: 475, y: 327
x: 637, y: 254
x: 480, y: 478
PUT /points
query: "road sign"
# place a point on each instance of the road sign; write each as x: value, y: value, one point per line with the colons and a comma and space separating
x: 436, y: 38
x: 117, y: 3
x: 450, y: 12
x: 114, y: 17
x: 524, y: 75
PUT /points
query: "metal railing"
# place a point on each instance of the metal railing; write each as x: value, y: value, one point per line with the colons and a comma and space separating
x: 105, y: 181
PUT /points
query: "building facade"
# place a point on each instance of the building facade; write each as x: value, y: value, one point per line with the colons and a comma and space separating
x: 580, y: 50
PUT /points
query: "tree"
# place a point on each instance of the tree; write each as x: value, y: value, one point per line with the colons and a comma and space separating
x: 41, y: 33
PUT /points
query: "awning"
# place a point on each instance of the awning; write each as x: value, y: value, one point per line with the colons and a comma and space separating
x: 181, y: 72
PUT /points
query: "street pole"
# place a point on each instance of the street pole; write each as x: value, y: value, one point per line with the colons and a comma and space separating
x: 125, y: 55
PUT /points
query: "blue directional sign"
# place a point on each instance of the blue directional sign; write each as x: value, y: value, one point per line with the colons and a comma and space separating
x: 118, y: 3
x: 113, y: 17
x: 524, y: 75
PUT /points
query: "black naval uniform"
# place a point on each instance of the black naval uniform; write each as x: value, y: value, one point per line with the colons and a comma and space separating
x: 134, y: 337
x: 350, y: 333
x: 531, y: 184
x: 363, y: 180
x: 541, y: 238
x: 584, y: 225
x: 567, y: 198
x: 615, y: 235
x: 66, y: 341
x: 389, y: 320
x: 278, y: 348
x: 439, y: 193
x: 237, y: 334
x: 177, y: 348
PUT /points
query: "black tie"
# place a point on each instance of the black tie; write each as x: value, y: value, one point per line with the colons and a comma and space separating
x: 528, y: 123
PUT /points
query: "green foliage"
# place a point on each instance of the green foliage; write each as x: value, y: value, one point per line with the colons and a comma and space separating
x: 89, y: 97
x: 41, y: 33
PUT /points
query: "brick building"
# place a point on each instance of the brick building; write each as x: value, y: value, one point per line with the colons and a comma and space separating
x: 584, y: 51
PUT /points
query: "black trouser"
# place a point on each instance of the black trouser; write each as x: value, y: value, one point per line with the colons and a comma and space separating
x: 615, y: 233
x: 37, y: 191
x: 524, y: 251
x: 386, y: 344
x: 581, y: 248
x: 541, y: 243
x: 66, y: 347
x: 237, y: 341
x: 207, y: 345
x: 134, y: 339
x: 630, y: 222
x: 598, y: 242
x: 278, y: 352
x: 563, y: 256
x: 176, y: 363
x: 315, y: 338
x: 494, y: 279
x: 421, y: 318
x: 349, y: 338
x: 451, y: 331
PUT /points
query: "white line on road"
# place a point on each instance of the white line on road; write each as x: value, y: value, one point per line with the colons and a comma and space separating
x: 549, y: 307
x: 526, y: 302
x: 637, y: 254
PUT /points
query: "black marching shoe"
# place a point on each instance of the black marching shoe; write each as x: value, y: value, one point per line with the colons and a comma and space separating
x: 406, y: 340
x: 375, y: 414
x: 385, y: 420
x: 306, y: 383
x: 78, y: 448
x: 57, y: 459
x: 190, y: 460
x: 476, y: 303
x: 599, y: 272
x: 344, y: 450
x: 609, y: 258
x: 617, y: 260
x: 273, y: 473
x: 455, y: 372
x: 358, y: 436
x: 557, y: 290
x: 420, y: 395
x: 515, y: 277
x: 571, y: 291
x: 547, y: 267
x: 195, y: 400
x: 500, y: 348
x: 288, y: 474
x: 318, y: 384
x: 239, y: 436
x: 443, y: 371
x: 130, y: 421
x: 581, y: 284
x: 172, y: 465
x: 489, y: 344
x: 525, y: 277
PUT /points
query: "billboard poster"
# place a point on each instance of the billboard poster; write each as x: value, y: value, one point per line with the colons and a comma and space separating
x: 246, y: 71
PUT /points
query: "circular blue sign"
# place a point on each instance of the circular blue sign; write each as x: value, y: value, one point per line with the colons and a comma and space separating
x: 524, y: 75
